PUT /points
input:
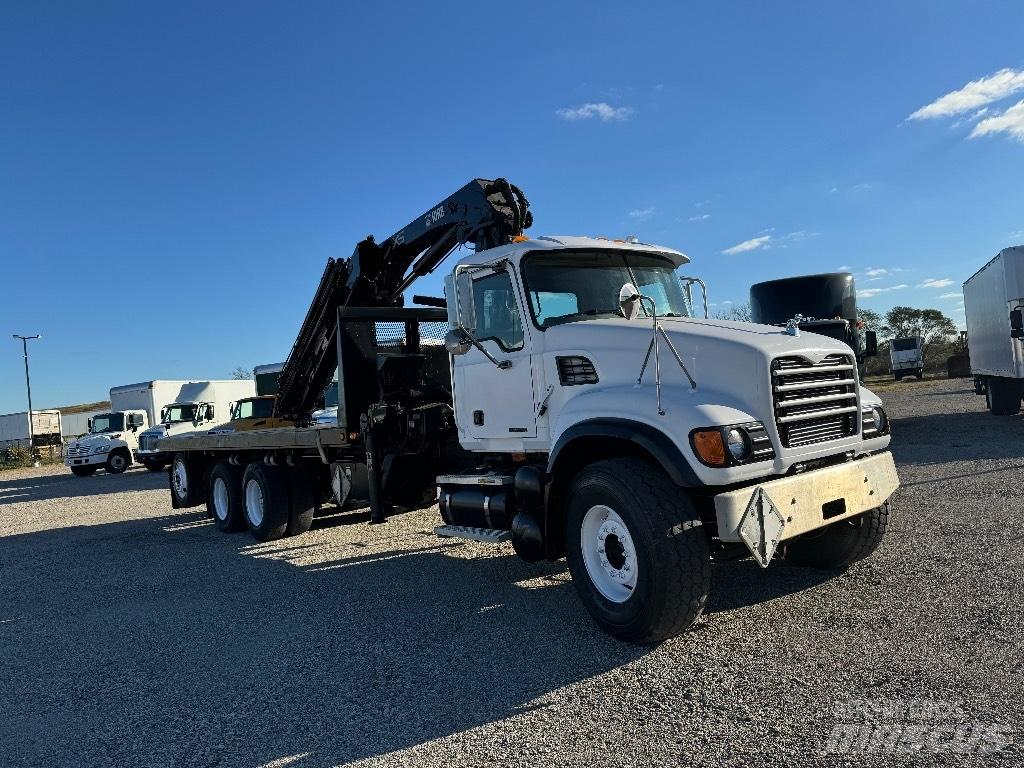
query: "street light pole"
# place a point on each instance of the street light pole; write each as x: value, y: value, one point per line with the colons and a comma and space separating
x: 28, y: 387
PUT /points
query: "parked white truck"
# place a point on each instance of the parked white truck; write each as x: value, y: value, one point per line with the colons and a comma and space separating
x: 114, y: 438
x: 907, y: 357
x: 198, y: 405
x: 577, y: 409
x: 994, y: 307
x: 45, y: 429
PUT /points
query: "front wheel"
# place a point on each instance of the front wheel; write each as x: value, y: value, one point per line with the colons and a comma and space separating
x: 117, y: 462
x: 85, y: 470
x: 637, y: 551
x: 841, y: 544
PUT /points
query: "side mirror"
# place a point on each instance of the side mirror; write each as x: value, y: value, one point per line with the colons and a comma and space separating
x: 629, y: 301
x: 464, y: 301
x: 870, y: 343
x: 1017, y: 324
x: 163, y: 414
x: 209, y: 413
x: 88, y: 424
x: 457, y: 342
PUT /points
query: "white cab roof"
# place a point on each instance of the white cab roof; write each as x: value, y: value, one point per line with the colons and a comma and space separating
x: 564, y: 242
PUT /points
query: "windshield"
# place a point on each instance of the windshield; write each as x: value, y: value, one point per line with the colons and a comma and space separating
x: 261, y: 408
x: 178, y: 413
x: 107, y: 422
x: 565, y: 287
x: 904, y: 345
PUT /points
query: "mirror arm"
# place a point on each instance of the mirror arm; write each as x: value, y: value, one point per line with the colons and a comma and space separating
x: 503, y: 365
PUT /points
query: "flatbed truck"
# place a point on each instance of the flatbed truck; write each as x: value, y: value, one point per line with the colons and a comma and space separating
x: 563, y: 398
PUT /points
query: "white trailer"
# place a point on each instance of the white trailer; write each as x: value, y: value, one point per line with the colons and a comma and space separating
x: 46, y: 428
x: 994, y: 304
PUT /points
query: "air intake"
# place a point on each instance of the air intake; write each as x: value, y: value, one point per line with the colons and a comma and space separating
x: 815, y: 403
x: 573, y: 371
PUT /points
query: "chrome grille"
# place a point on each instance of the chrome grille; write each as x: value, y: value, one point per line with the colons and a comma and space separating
x: 148, y: 442
x: 814, y: 403
x: 77, y: 452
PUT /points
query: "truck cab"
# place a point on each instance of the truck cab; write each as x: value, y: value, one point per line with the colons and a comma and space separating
x: 109, y: 444
x: 252, y: 413
x: 907, y: 357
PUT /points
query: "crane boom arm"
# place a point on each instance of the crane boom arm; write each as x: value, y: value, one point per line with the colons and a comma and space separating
x: 484, y: 213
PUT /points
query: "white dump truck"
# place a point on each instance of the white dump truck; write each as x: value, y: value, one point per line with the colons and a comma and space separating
x: 994, y: 308
x: 576, y: 409
x: 198, y: 405
x: 907, y: 357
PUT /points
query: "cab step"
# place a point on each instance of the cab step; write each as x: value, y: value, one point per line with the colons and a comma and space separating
x: 486, y: 535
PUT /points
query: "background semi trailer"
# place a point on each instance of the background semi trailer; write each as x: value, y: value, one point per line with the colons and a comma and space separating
x: 575, y: 409
x: 994, y: 304
x: 825, y: 304
x: 906, y: 356
x: 45, y: 429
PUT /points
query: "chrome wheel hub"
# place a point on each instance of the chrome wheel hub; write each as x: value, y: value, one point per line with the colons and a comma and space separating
x: 608, y: 553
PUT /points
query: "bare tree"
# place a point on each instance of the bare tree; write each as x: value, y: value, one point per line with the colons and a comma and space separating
x: 739, y: 312
x: 241, y: 373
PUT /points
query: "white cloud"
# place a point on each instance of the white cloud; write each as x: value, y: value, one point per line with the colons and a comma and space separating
x: 701, y: 217
x: 876, y: 271
x: 749, y: 245
x: 844, y: 268
x: 975, y: 94
x: 862, y: 187
x: 602, y: 110
x: 932, y: 282
x: 951, y: 296
x: 867, y: 293
x: 727, y: 301
x: 1010, y: 122
x: 641, y: 214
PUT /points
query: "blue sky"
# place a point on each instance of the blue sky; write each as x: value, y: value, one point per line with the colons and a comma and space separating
x: 174, y: 176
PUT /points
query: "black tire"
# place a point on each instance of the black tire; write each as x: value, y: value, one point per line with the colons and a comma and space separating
x: 1002, y: 396
x: 188, y: 486
x: 268, y: 521
x: 979, y: 385
x: 154, y: 466
x: 920, y: 375
x: 841, y: 544
x: 117, y: 462
x: 672, y: 558
x: 224, y: 498
x: 86, y: 470
x: 302, y: 501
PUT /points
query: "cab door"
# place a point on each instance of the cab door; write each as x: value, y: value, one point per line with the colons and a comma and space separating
x: 496, y: 403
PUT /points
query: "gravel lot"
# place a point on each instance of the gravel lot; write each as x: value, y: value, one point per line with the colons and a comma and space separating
x: 132, y: 634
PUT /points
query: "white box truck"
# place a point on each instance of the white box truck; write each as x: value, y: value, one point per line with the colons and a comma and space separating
x: 907, y: 357
x: 114, y: 438
x: 14, y: 429
x: 994, y: 304
x: 197, y: 405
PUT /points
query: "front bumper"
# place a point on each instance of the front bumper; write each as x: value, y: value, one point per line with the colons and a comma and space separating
x: 797, y: 504
x: 141, y: 456
x: 83, y: 461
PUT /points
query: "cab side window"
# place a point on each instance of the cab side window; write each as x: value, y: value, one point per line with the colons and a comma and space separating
x: 497, y: 314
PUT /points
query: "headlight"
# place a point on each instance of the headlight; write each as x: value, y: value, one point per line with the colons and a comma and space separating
x: 874, y: 422
x: 732, y: 445
x: 738, y: 443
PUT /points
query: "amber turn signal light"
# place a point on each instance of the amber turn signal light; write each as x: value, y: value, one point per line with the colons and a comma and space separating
x: 709, y: 447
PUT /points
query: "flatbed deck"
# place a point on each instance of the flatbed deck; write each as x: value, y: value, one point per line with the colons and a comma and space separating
x: 310, y: 438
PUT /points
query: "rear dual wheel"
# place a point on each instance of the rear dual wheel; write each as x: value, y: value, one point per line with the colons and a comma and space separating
x: 277, y: 501
x: 1002, y: 396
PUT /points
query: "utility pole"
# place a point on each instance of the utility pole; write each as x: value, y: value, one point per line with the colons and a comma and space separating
x: 28, y: 387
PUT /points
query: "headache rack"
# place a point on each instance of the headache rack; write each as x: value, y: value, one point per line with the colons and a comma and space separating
x: 815, y: 402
